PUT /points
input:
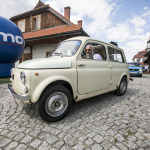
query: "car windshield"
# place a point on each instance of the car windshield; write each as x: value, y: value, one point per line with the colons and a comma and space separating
x: 133, y: 65
x: 68, y: 48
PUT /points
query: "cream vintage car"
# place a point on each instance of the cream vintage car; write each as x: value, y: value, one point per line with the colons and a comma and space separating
x: 79, y: 68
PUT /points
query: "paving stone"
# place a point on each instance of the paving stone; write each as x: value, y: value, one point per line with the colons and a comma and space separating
x: 89, y: 141
x: 98, y: 138
x: 147, y: 142
x: 113, y: 148
x: 66, y: 147
x: 97, y: 147
x: 119, y: 137
x: 19, y: 136
x: 44, y: 146
x: 141, y: 144
x: 58, y: 144
x: 106, y: 144
x: 21, y: 147
x: 11, y: 146
x: 78, y: 146
x: 52, y: 139
x: 26, y: 139
x: 131, y: 145
x: 4, y: 142
x: 36, y: 143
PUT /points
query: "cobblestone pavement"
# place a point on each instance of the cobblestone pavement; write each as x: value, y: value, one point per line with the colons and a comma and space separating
x: 103, y: 122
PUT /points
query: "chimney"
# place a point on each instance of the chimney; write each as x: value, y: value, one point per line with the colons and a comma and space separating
x: 80, y: 24
x: 67, y: 12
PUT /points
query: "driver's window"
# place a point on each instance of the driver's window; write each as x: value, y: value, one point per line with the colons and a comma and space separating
x: 94, y: 51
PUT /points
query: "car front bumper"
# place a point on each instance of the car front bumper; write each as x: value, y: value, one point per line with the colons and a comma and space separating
x: 136, y: 73
x: 18, y: 96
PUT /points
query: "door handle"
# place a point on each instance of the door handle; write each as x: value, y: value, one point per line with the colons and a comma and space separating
x: 81, y: 65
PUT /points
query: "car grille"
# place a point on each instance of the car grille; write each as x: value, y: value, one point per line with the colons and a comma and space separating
x: 134, y: 69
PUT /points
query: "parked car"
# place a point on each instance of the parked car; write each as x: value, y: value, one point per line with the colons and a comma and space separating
x: 135, y: 69
x: 80, y: 68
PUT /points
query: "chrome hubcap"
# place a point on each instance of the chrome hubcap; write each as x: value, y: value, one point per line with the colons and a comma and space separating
x: 123, y: 87
x: 56, y: 104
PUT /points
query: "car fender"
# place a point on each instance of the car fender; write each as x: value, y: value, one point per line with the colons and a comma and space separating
x: 44, y: 83
x: 123, y: 74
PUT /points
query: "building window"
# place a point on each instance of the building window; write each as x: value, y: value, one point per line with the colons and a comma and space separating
x: 36, y: 20
x: 141, y: 55
x: 21, y: 25
x: 138, y: 59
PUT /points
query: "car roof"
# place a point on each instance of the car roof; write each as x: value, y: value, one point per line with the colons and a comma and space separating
x: 85, y: 38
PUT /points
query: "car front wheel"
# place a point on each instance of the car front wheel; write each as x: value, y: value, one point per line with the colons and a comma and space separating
x: 122, y: 87
x: 55, y: 103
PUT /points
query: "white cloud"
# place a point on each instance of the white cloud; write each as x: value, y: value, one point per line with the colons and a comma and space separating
x: 97, y: 12
x: 132, y: 47
x: 145, y: 8
x: 138, y: 22
x: 11, y: 8
x: 119, y: 33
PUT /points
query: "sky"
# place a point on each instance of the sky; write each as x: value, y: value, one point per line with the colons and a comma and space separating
x: 126, y: 22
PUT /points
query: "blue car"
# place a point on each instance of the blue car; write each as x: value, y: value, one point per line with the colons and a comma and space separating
x: 135, y: 69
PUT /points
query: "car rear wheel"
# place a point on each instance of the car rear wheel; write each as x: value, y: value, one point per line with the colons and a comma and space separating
x: 122, y: 87
x: 55, y: 103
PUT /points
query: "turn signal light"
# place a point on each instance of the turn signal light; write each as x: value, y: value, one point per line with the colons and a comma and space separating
x: 36, y: 74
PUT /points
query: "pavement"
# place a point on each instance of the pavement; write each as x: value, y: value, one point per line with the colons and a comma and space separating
x: 104, y: 122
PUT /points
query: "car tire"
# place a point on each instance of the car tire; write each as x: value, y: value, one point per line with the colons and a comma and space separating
x: 141, y: 75
x: 55, y: 103
x: 122, y: 87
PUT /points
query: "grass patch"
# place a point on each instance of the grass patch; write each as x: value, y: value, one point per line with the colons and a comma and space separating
x: 129, y: 132
x: 128, y: 99
x: 125, y: 136
x: 121, y: 114
x: 135, y: 107
x: 131, y: 115
x: 115, y: 139
x: 116, y: 115
x: 4, y: 80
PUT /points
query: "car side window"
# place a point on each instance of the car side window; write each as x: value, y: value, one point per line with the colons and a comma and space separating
x: 115, y: 55
x: 119, y: 56
x: 94, y: 51
x: 112, y: 54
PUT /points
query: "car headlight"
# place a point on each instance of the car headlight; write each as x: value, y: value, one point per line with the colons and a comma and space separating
x: 140, y: 69
x: 12, y: 71
x: 25, y: 89
x: 22, y: 77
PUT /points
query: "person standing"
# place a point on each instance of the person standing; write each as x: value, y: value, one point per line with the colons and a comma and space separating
x: 146, y: 68
x: 143, y: 69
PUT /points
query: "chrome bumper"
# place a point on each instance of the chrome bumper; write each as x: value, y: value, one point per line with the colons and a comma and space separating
x: 18, y: 96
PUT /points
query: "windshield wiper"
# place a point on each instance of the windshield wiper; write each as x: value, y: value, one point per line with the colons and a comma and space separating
x: 60, y: 54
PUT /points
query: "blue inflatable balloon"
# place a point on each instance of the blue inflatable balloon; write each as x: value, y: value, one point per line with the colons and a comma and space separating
x: 11, y: 45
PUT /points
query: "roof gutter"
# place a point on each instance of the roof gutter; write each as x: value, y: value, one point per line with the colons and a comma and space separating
x: 58, y: 34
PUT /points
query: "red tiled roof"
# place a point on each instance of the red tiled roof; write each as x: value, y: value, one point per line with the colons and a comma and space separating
x: 139, y: 53
x: 50, y: 31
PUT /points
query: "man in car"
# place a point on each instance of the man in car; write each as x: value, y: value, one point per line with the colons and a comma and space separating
x: 90, y: 53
